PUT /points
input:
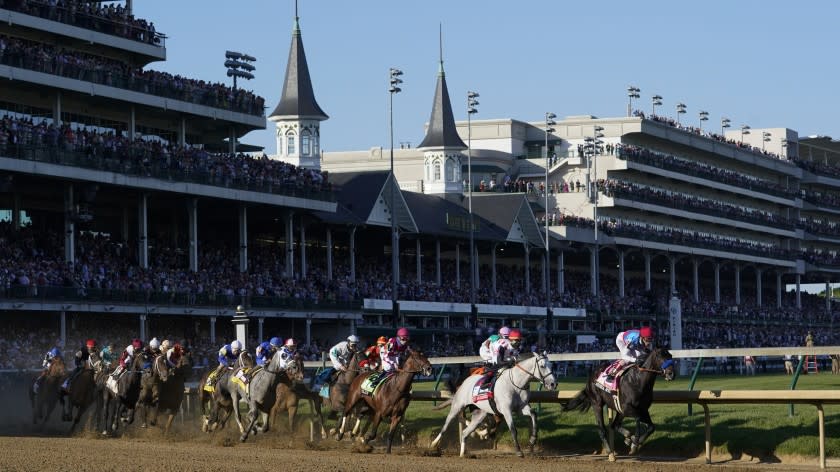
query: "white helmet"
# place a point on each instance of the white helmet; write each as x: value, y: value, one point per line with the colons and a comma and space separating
x: 165, y: 345
x: 154, y: 343
x: 353, y: 342
x: 236, y: 346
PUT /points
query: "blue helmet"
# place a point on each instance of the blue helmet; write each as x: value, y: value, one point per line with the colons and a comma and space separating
x: 54, y: 352
x: 276, y: 342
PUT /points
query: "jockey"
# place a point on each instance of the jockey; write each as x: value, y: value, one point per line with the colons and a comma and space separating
x: 392, y: 353
x: 340, y: 355
x: 154, y: 348
x: 165, y: 346
x: 49, y: 357
x: 287, y: 352
x: 108, y: 355
x: 82, y: 356
x: 504, y: 332
x: 127, y: 357
x: 372, y: 361
x: 173, y: 354
x: 264, y: 353
x: 505, y: 351
x: 228, y: 359
x: 484, y: 351
x: 633, y: 344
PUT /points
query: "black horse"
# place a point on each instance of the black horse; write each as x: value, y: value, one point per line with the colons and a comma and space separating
x: 635, y: 395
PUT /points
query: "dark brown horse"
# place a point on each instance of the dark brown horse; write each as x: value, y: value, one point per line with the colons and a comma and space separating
x: 216, y: 405
x: 151, y: 382
x: 289, y: 392
x: 340, y: 389
x: 119, y: 398
x: 391, y: 399
x: 635, y: 395
x: 49, y: 391
x: 172, y: 392
x: 81, y: 390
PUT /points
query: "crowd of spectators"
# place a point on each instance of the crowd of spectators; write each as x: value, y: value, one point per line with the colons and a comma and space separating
x: 681, y: 201
x: 57, y: 60
x: 113, y: 18
x: 147, y: 157
x: 822, y: 198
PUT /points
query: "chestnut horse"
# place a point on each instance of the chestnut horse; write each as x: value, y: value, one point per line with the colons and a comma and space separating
x: 391, y: 399
x: 44, y: 401
x: 290, y: 392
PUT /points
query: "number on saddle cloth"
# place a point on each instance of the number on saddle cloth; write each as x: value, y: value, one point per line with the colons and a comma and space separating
x: 374, y: 381
x: 483, y: 388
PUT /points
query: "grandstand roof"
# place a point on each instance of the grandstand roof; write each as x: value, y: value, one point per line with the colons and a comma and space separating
x: 442, y: 132
x: 512, y: 213
x: 364, y: 197
x: 297, y: 99
x: 825, y: 146
x: 441, y: 217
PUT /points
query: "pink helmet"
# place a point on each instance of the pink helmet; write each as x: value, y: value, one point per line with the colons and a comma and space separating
x: 504, y: 331
x: 402, y: 332
x: 646, y: 332
x: 137, y: 343
x: 290, y: 343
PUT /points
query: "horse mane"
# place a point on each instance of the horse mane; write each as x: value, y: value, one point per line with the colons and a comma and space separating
x: 57, y: 367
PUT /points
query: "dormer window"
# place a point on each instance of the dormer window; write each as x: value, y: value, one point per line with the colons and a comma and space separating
x: 437, y: 170
x: 305, y: 143
x: 291, y: 146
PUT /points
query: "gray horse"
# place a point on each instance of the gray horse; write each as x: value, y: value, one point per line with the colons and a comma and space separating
x: 511, y: 393
x: 260, y: 393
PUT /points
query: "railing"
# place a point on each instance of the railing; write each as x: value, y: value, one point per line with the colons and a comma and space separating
x: 136, y: 162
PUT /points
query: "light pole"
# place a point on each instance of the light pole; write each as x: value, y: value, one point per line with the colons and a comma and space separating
x: 594, y: 149
x: 765, y: 138
x: 239, y: 65
x: 680, y: 111
x: 724, y: 123
x: 472, y: 102
x: 632, y: 92
x: 657, y: 101
x: 745, y: 129
x: 704, y: 116
x: 394, y: 82
x: 549, y: 128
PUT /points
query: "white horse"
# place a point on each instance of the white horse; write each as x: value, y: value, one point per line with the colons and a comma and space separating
x: 511, y: 393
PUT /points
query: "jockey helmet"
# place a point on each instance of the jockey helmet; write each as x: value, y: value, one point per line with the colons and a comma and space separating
x: 646, y: 333
x: 402, y: 333
x: 165, y: 345
x: 290, y: 343
x: 353, y: 342
x: 515, y: 337
x: 236, y: 346
x: 381, y: 341
x: 136, y: 343
x: 154, y: 343
x: 54, y: 352
x: 90, y: 343
x: 276, y: 342
x: 504, y: 332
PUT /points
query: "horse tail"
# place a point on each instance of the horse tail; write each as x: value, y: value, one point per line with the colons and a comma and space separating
x: 443, y: 405
x: 580, y: 402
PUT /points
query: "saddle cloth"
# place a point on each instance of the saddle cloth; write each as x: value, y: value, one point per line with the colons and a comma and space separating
x: 112, y: 385
x: 375, y: 380
x: 243, y: 376
x: 614, y: 370
x: 483, y: 389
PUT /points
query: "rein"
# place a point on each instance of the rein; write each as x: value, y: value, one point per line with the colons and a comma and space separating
x: 531, y: 375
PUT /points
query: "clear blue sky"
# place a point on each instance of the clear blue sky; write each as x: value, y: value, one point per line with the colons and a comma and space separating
x: 762, y: 63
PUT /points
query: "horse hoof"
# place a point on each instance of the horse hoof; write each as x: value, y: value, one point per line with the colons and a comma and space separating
x: 520, y: 454
x: 243, y: 438
x: 611, y: 457
x: 143, y: 425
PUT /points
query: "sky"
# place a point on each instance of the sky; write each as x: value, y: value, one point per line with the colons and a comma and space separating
x: 760, y: 63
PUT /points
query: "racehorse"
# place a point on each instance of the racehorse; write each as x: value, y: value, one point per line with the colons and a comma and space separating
x: 81, y: 391
x: 510, y: 393
x: 260, y: 393
x: 49, y: 391
x: 339, y: 389
x: 151, y: 382
x: 391, y: 398
x: 216, y: 406
x: 289, y: 392
x: 119, y: 397
x: 172, y: 391
x: 635, y: 395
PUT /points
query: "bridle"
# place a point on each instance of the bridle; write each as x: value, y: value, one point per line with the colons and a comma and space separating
x: 531, y: 375
x: 661, y: 371
x: 409, y: 356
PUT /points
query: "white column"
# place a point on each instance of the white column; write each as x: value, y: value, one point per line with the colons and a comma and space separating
x: 213, y: 330
x: 798, y: 291
x: 758, y: 289
x: 353, y: 254
x: 696, y: 267
x: 647, y: 271
x: 527, y: 268
x: 243, y: 239
x: 828, y: 297
x: 69, y: 225
x: 778, y: 289
x: 143, y: 230
x: 673, y: 264
x: 260, y: 322
x: 561, y: 273
x: 329, y: 254
x: 290, y: 246
x: 621, y: 292
x: 493, y: 266
x: 737, y: 284
x: 16, y: 211
x: 457, y: 265
x: 63, y: 328
x: 57, y: 109
x: 477, y: 264
x: 308, y: 331
x: 132, y: 123
x: 544, y: 273
x: 717, y: 282
x: 302, y: 250
x: 143, y: 327
x: 182, y: 132
x: 437, y: 262
x: 419, y: 254
x: 192, y: 209
x: 593, y: 276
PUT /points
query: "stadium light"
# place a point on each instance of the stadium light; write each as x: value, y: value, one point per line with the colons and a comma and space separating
x: 657, y: 101
x: 704, y: 116
x: 393, y: 88
x: 472, y: 103
x: 745, y: 129
x: 239, y: 66
x: 632, y: 92
x: 765, y: 138
x: 724, y: 123
x: 680, y: 111
x: 549, y: 128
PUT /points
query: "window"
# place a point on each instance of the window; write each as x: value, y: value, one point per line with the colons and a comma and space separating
x: 315, y: 151
x: 290, y: 144
x: 437, y: 170
x: 305, y: 142
x: 450, y: 170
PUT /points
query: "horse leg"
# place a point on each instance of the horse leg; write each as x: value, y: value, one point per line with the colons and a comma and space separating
x: 377, y: 418
x: 508, y: 415
x: 315, y: 406
x: 532, y: 441
x: 253, y: 413
x: 454, y: 412
x: 166, y: 427
x: 349, y: 404
x: 602, y: 430
x: 395, y: 421
x: 292, y: 415
x: 644, y: 428
x: 477, y: 419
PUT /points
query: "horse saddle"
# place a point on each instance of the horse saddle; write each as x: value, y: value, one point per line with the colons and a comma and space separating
x: 483, y: 388
x: 242, y: 377
x: 112, y: 385
x: 375, y: 380
x: 609, y: 377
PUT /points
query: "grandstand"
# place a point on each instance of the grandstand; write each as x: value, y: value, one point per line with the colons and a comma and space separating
x: 125, y: 219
